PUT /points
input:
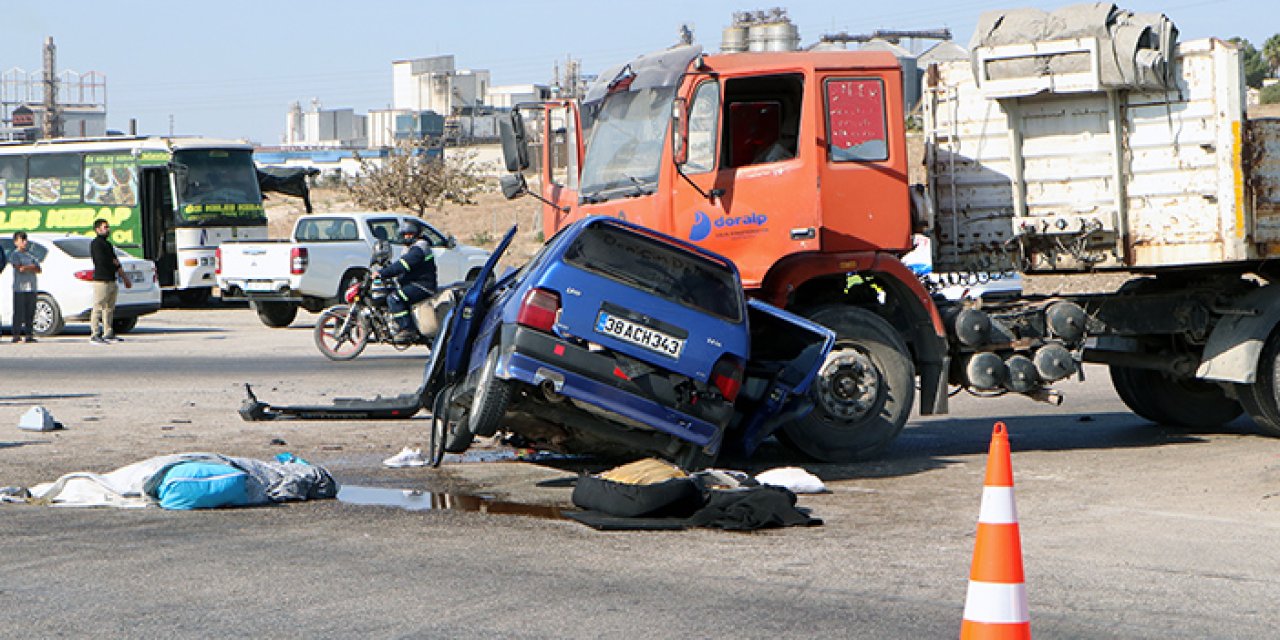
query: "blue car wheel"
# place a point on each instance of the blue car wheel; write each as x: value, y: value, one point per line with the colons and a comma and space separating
x: 492, y: 396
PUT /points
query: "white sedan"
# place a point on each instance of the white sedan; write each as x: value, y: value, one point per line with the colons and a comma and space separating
x: 66, y: 290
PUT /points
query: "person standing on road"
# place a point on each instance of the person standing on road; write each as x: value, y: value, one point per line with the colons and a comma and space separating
x: 25, y: 269
x: 416, y: 270
x: 106, y: 269
x: 3, y: 261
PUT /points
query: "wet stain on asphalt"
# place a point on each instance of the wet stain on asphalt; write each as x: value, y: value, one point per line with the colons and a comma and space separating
x: 415, y: 500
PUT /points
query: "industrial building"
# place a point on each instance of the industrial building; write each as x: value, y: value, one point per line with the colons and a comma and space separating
x: 77, y: 102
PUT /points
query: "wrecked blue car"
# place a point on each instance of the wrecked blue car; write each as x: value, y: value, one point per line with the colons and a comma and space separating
x: 618, y: 340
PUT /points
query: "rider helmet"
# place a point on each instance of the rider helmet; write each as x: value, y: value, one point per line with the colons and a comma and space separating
x: 408, y: 231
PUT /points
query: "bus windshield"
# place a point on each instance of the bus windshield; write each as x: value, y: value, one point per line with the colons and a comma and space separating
x: 217, y: 186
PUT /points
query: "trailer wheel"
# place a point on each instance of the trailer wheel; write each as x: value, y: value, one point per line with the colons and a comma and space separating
x: 864, y: 390
x: 276, y: 314
x: 1179, y: 402
x: 1260, y: 399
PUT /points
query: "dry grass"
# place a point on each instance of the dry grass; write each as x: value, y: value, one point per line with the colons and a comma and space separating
x: 481, y: 224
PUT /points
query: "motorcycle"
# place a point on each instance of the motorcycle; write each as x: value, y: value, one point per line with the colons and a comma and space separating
x: 344, y: 330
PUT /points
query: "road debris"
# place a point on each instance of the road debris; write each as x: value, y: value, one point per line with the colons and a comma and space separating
x: 38, y: 418
x: 199, y: 480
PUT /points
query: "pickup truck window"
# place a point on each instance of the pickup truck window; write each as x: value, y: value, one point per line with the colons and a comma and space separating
x: 658, y: 268
x: 855, y: 120
x: 383, y: 229
x: 432, y: 236
x: 327, y: 230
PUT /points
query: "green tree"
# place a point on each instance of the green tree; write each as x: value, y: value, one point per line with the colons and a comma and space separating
x: 1271, y: 53
x: 1255, y: 68
x: 1270, y: 95
x: 415, y: 177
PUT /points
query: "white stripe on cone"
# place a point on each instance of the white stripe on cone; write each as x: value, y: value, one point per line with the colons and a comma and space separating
x: 997, y: 506
x: 996, y: 603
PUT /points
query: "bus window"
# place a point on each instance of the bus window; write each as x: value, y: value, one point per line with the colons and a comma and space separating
x: 111, y: 179
x: 217, y: 184
x: 13, y: 180
x: 54, y: 178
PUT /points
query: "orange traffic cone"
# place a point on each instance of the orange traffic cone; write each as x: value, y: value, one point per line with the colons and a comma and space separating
x: 996, y: 605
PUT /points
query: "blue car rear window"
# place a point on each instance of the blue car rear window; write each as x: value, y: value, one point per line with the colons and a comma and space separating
x: 658, y: 268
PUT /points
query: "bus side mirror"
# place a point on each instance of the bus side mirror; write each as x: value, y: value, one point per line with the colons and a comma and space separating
x: 679, y: 131
x: 515, y: 152
x: 513, y: 185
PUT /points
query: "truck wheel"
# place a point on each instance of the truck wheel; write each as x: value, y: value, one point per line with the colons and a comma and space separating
x: 1179, y: 402
x: 863, y: 393
x: 492, y: 396
x: 276, y: 314
x: 124, y: 325
x: 1260, y: 399
x: 330, y: 339
x: 47, y: 319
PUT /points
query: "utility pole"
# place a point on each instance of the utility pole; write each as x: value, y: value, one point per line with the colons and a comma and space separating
x: 52, y: 116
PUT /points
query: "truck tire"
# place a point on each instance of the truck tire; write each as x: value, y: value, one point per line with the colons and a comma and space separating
x: 489, y: 404
x: 276, y: 314
x: 1161, y: 398
x: 864, y: 391
x: 1260, y: 399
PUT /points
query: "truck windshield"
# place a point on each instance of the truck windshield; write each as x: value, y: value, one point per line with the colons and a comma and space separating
x: 217, y: 186
x: 624, y: 153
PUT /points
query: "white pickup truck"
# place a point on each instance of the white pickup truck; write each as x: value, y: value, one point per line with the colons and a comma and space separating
x: 325, y: 253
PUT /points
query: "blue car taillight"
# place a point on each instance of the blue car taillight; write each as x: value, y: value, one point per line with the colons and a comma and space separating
x: 539, y: 309
x: 727, y: 376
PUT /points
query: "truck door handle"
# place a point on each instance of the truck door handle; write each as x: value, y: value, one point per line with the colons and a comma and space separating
x: 804, y: 233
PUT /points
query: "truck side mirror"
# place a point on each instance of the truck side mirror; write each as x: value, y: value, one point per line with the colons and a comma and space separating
x: 679, y: 131
x: 513, y: 185
x: 515, y: 152
x: 451, y: 242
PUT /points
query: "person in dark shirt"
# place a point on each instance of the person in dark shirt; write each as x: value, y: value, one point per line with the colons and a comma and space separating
x: 106, y: 268
x: 416, y: 270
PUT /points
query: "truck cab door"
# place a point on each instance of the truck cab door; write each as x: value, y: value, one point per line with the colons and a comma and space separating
x: 751, y: 183
x: 559, y: 138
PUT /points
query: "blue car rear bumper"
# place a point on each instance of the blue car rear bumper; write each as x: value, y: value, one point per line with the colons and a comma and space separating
x: 533, y: 371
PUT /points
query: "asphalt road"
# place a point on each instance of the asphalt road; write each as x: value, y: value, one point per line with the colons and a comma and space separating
x: 1130, y: 530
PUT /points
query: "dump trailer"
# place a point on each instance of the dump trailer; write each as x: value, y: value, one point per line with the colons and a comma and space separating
x: 1105, y: 146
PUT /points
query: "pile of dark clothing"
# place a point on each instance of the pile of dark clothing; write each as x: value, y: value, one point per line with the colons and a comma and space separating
x: 653, y: 495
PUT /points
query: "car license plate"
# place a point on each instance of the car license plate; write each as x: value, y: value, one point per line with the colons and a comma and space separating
x: 639, y: 335
x: 259, y: 285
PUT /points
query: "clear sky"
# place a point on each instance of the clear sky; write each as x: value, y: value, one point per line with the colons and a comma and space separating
x: 231, y: 68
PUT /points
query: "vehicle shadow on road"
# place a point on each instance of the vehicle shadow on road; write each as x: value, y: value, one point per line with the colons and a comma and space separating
x: 83, y: 332
x: 927, y: 446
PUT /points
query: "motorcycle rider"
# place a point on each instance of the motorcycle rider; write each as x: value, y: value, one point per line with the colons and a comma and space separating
x: 416, y: 274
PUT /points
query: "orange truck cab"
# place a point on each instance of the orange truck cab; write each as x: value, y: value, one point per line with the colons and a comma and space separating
x: 792, y: 164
